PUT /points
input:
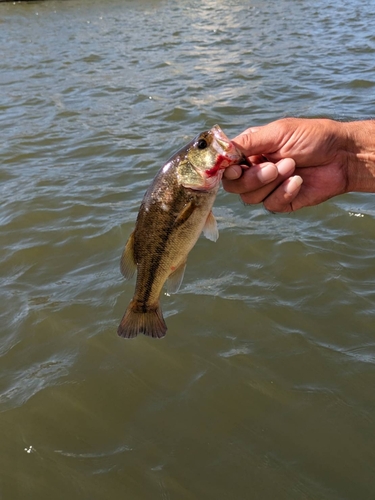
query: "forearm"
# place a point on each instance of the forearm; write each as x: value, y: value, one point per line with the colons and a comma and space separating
x: 360, y: 155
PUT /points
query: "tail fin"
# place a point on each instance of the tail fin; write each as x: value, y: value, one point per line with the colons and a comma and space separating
x: 150, y: 323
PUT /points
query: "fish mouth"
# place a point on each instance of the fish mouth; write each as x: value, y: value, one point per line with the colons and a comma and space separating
x: 227, y: 153
x: 224, y: 144
x: 227, y: 149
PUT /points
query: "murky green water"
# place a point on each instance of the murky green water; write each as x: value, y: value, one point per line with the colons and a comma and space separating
x: 264, y: 386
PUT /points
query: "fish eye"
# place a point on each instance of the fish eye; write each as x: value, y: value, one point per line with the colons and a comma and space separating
x: 201, y: 144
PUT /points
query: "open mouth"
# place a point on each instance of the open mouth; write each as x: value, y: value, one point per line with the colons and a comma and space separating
x: 227, y: 150
x: 222, y: 141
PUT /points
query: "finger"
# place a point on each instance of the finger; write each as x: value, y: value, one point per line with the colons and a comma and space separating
x: 284, y: 169
x: 250, y: 179
x: 257, y: 159
x: 281, y: 200
x: 233, y: 172
x: 260, y: 140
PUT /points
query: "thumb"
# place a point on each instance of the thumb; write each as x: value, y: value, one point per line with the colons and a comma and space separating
x: 264, y: 140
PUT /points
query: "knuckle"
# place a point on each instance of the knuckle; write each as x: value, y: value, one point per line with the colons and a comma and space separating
x: 252, y: 198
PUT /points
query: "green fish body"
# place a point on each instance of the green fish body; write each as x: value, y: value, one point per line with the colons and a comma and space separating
x: 175, y: 210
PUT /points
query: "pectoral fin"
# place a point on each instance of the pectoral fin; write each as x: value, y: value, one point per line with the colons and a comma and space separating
x: 128, y: 264
x: 175, y: 279
x: 185, y: 213
x: 210, y: 229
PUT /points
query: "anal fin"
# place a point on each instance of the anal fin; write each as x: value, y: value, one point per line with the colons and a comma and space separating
x: 175, y: 278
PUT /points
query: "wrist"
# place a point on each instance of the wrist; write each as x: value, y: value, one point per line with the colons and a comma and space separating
x: 360, y: 155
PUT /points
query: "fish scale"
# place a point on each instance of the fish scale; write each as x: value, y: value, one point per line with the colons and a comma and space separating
x: 176, y: 208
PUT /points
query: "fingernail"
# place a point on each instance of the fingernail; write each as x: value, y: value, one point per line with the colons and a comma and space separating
x: 293, y: 184
x: 286, y: 167
x: 267, y: 173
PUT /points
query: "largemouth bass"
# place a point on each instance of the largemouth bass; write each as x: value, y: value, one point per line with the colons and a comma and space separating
x: 175, y: 210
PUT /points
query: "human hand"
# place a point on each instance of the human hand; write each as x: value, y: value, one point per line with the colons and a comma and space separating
x: 295, y: 163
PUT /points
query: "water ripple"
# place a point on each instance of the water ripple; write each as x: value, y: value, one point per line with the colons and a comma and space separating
x: 266, y: 375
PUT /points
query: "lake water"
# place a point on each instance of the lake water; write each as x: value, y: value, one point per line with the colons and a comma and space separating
x: 264, y: 385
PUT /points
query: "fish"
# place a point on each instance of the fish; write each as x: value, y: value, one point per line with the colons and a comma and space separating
x: 175, y: 210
